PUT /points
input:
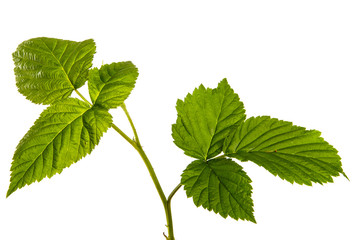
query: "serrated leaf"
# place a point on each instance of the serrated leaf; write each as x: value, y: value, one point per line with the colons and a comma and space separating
x: 205, y: 118
x: 111, y: 85
x: 64, y: 133
x: 288, y: 151
x: 219, y: 185
x: 49, y: 69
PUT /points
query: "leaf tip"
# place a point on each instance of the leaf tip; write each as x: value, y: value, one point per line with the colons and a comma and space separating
x: 224, y: 82
x: 250, y: 218
x: 10, y: 191
x: 345, y: 176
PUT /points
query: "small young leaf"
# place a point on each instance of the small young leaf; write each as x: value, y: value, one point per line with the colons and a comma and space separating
x: 49, y: 69
x: 291, y: 152
x: 205, y: 118
x: 64, y: 133
x: 219, y: 185
x: 111, y: 85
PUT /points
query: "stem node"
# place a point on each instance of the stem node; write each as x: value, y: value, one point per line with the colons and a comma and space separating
x: 137, y: 145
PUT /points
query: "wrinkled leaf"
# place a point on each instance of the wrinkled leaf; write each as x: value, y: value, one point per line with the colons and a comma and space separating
x: 49, y: 69
x: 111, y: 85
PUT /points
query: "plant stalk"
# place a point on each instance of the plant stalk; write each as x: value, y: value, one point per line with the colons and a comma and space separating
x: 136, y: 145
x: 166, y: 202
x: 82, y: 97
x: 169, y: 217
x: 123, y: 106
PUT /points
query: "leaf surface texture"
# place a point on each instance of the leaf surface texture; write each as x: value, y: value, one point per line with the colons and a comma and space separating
x: 219, y: 185
x: 205, y: 118
x: 111, y: 85
x: 288, y: 151
x: 64, y: 133
x: 49, y: 69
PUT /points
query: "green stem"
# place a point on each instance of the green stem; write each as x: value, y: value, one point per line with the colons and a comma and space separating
x: 123, y: 106
x: 133, y: 143
x: 113, y: 125
x: 173, y: 192
x: 136, y: 145
x: 221, y: 156
x: 82, y: 97
x: 144, y: 157
x: 169, y: 217
x: 166, y: 202
x: 152, y: 174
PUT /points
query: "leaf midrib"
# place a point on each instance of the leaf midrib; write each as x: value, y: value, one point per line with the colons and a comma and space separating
x: 220, y: 182
x: 104, y: 84
x: 60, y: 64
x: 24, y: 172
x: 299, y: 166
x: 215, y: 129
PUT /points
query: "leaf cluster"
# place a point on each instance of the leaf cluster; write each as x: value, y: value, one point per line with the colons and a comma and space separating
x: 212, y: 128
x: 47, y: 72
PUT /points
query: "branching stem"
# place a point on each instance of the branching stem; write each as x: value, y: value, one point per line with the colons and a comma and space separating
x: 82, y: 97
x: 136, y: 145
x: 169, y: 217
x: 166, y: 202
x: 123, y: 106
x: 133, y: 143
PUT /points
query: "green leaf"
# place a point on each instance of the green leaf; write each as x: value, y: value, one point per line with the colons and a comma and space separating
x: 205, y: 118
x: 49, y: 69
x: 291, y: 152
x: 64, y: 133
x: 111, y: 85
x: 219, y: 185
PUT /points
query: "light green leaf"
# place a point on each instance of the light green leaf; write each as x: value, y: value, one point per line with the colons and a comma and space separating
x: 49, y: 69
x: 291, y: 152
x: 64, y: 133
x: 111, y: 85
x: 219, y: 185
x: 205, y: 118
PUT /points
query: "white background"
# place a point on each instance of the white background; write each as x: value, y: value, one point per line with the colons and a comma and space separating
x: 293, y: 60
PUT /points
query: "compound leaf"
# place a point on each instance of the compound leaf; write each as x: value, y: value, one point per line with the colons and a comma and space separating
x: 205, y: 118
x: 49, y: 69
x: 64, y: 133
x: 111, y: 85
x: 219, y: 185
x: 291, y: 152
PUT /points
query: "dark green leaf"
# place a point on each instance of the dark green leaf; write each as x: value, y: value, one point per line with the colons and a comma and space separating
x: 219, y: 185
x: 205, y: 118
x: 291, y: 152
